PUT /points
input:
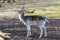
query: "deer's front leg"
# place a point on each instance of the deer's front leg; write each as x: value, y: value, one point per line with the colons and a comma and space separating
x: 28, y: 30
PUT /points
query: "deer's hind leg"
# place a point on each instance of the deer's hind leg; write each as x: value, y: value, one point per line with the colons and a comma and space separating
x: 41, y: 33
x: 41, y: 29
x: 45, y: 31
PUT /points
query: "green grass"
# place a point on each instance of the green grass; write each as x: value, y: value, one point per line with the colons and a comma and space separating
x: 49, y: 12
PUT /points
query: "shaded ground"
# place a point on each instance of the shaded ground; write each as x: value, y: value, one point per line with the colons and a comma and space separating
x: 18, y: 30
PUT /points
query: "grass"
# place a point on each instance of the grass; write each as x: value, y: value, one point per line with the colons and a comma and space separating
x: 49, y: 12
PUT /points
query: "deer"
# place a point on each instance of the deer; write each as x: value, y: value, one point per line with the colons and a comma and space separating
x: 28, y: 21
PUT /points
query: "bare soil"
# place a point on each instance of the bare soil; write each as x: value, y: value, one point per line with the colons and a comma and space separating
x: 18, y: 29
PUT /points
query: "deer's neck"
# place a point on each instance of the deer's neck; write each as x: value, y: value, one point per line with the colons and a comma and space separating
x: 22, y: 15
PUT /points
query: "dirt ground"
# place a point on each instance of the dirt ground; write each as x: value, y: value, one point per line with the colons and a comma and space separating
x: 18, y: 30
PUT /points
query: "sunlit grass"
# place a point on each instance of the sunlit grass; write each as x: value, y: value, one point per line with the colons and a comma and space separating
x: 49, y: 12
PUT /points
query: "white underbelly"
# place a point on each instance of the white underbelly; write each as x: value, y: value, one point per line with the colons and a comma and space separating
x: 32, y: 22
x: 36, y: 23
